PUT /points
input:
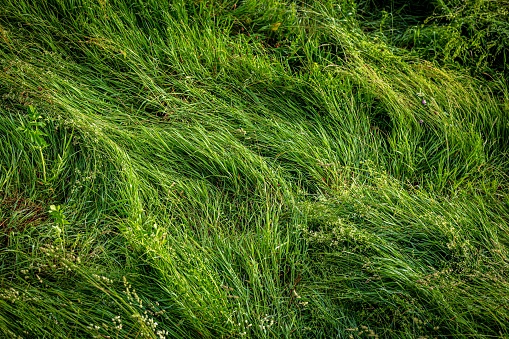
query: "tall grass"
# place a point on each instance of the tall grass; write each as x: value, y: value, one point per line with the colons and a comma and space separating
x: 244, y: 169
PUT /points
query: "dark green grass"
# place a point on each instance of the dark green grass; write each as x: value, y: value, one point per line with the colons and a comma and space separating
x: 251, y: 169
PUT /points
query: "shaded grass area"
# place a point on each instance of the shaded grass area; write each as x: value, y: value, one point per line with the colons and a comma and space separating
x: 244, y: 169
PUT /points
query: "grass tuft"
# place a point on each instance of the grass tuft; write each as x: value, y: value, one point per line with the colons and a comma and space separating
x: 261, y: 169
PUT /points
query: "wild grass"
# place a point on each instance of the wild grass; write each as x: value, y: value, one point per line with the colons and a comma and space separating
x: 250, y: 169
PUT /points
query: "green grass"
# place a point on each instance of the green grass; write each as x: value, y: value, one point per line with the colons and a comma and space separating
x: 261, y: 169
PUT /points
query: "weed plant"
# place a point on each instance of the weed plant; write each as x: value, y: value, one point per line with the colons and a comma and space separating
x: 257, y: 168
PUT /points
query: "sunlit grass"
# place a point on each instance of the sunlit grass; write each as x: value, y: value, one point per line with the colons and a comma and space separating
x: 252, y: 169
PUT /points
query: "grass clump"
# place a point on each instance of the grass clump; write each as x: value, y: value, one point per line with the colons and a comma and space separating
x: 247, y: 169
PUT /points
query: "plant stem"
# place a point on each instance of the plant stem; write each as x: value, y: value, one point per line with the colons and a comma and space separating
x: 43, y: 165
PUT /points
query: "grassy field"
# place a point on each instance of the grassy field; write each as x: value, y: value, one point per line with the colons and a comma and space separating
x: 256, y: 168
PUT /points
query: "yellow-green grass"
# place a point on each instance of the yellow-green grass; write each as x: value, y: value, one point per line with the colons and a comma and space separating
x: 188, y: 169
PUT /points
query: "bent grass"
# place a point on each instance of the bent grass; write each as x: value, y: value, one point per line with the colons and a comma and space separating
x: 254, y: 169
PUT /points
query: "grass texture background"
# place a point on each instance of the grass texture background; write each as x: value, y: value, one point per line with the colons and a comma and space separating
x: 257, y: 168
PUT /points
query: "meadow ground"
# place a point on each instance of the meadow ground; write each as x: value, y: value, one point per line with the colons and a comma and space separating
x: 257, y: 168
